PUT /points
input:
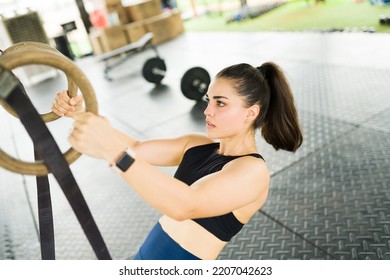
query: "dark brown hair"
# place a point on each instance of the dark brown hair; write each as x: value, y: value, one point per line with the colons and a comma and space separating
x: 267, y: 86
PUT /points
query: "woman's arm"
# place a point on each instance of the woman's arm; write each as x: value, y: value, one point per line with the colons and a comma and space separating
x: 239, y: 183
x: 161, y: 152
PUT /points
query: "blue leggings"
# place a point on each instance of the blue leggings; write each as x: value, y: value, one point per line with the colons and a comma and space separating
x: 160, y: 246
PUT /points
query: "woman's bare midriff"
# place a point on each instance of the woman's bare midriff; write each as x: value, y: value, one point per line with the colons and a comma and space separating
x: 197, y: 240
x: 193, y: 238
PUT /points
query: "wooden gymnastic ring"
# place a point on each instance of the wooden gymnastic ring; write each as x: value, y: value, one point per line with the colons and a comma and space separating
x: 15, y: 59
x: 27, y: 46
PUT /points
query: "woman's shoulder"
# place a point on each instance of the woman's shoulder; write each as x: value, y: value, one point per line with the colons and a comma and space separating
x: 249, y: 164
x: 198, y: 139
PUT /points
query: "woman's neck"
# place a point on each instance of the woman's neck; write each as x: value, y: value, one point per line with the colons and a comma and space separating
x: 237, y: 146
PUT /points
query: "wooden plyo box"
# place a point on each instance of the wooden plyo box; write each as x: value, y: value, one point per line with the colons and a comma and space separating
x: 120, y: 11
x: 134, y: 31
x: 108, y: 39
x: 165, y: 26
x: 143, y: 9
x: 113, y: 2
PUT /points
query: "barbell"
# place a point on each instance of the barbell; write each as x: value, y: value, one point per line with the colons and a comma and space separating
x: 194, y: 83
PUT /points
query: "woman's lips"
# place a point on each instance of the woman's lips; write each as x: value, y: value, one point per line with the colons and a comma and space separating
x: 210, y: 124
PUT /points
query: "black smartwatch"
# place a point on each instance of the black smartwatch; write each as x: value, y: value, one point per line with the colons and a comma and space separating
x: 124, y: 162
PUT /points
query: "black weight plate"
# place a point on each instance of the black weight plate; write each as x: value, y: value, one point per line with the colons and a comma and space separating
x: 154, y: 70
x: 191, y: 83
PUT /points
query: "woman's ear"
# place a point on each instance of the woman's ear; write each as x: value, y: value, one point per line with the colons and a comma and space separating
x: 253, y: 112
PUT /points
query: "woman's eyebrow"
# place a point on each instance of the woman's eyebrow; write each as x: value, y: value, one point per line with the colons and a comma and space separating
x: 217, y: 97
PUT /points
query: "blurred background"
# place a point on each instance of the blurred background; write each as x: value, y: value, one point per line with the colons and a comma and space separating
x: 80, y: 24
x: 330, y: 200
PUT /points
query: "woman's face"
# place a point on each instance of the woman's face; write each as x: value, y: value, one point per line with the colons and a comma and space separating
x: 226, y: 113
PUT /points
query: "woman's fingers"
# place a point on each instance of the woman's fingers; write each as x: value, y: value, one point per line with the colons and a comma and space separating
x: 63, y: 105
x: 92, y: 135
x: 77, y: 102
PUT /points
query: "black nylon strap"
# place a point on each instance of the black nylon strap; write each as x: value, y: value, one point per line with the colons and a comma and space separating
x: 51, y: 154
x: 45, y: 211
x: 45, y: 216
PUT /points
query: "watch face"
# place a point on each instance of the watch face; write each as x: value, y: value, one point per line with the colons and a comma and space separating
x: 124, y: 162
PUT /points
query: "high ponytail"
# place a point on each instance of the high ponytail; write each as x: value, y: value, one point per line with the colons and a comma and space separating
x: 267, y: 86
x: 281, y: 126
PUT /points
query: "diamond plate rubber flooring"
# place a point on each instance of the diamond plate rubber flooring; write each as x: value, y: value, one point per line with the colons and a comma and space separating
x: 329, y: 200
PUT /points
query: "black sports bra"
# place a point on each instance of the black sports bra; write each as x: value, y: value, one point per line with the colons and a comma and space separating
x: 198, y: 162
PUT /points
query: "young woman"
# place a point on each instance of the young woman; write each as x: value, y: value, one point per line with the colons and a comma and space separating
x: 221, y: 180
